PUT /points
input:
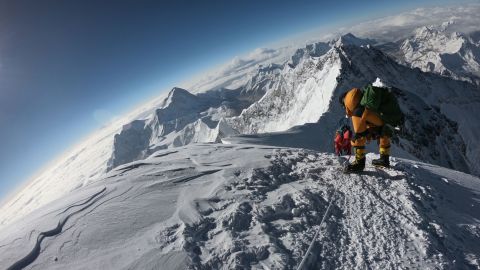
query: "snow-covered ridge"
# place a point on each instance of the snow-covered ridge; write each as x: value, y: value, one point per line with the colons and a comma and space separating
x: 278, y: 97
x: 275, y: 98
x: 430, y: 103
x: 435, y: 130
x: 435, y: 49
x: 213, y: 206
x: 182, y: 118
x: 245, y: 206
x: 300, y: 95
x: 301, y: 91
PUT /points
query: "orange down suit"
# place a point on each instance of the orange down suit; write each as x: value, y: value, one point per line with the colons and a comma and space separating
x: 363, y: 120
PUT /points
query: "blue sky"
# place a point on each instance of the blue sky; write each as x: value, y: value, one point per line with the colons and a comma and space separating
x: 64, y: 64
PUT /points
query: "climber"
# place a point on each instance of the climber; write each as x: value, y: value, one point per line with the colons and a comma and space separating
x: 342, y: 144
x: 374, y: 112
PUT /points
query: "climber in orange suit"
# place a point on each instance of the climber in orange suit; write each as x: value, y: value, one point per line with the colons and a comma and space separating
x: 368, y: 124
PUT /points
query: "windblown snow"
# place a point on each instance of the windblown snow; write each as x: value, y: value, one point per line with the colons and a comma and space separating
x: 213, y: 206
x: 235, y: 172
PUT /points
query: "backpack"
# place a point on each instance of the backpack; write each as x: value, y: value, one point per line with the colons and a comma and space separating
x: 383, y: 101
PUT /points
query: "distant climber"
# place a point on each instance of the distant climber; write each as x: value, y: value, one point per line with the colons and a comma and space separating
x: 342, y: 144
x: 374, y: 112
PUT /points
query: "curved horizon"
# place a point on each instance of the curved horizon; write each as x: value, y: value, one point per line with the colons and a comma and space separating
x: 55, y: 142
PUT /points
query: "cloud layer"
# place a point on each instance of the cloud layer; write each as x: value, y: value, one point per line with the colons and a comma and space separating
x: 465, y: 19
x: 391, y: 28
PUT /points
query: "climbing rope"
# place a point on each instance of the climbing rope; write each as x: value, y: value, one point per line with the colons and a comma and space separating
x: 305, y: 257
x: 317, y: 233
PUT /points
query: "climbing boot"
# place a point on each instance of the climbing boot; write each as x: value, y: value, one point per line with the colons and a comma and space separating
x: 359, y: 163
x: 383, y: 161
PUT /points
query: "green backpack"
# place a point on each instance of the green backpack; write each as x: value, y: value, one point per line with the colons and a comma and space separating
x: 384, y: 102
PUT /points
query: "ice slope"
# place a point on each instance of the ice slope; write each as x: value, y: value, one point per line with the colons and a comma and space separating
x: 78, y: 166
x: 214, y: 206
x: 83, y: 163
x: 94, y: 155
x: 300, y: 95
x: 152, y: 126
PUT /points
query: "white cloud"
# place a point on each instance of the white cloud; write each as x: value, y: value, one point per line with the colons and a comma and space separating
x: 388, y: 28
x: 233, y: 73
x: 394, y: 27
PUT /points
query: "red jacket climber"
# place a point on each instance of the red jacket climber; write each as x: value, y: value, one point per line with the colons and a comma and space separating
x: 342, y: 141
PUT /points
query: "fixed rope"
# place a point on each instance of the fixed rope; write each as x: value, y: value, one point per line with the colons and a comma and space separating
x: 317, y: 233
x: 305, y: 257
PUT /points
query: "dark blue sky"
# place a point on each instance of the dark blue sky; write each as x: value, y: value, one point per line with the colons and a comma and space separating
x: 61, y: 61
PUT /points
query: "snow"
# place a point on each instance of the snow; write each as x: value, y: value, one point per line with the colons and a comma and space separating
x: 277, y: 97
x: 429, y: 102
x: 250, y: 207
x: 379, y: 83
x: 274, y: 98
x: 84, y: 163
x: 156, y: 189
x: 300, y: 96
x: 436, y: 49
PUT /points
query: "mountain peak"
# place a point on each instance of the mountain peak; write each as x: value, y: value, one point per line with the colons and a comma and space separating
x: 436, y: 49
x: 179, y: 91
x: 178, y: 94
x: 445, y: 25
x: 442, y: 30
x: 350, y: 39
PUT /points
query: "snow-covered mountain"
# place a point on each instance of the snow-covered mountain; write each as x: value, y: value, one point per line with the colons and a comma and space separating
x: 442, y: 117
x: 146, y: 192
x: 215, y: 206
x: 436, y: 49
x: 442, y: 114
x: 301, y: 91
x: 438, y: 129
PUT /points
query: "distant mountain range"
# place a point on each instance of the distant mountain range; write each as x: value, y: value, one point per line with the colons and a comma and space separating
x: 434, y: 49
x: 434, y: 73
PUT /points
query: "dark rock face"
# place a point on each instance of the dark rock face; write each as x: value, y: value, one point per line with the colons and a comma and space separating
x: 130, y: 143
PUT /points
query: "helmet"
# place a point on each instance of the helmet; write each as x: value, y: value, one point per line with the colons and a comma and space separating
x: 352, y: 98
